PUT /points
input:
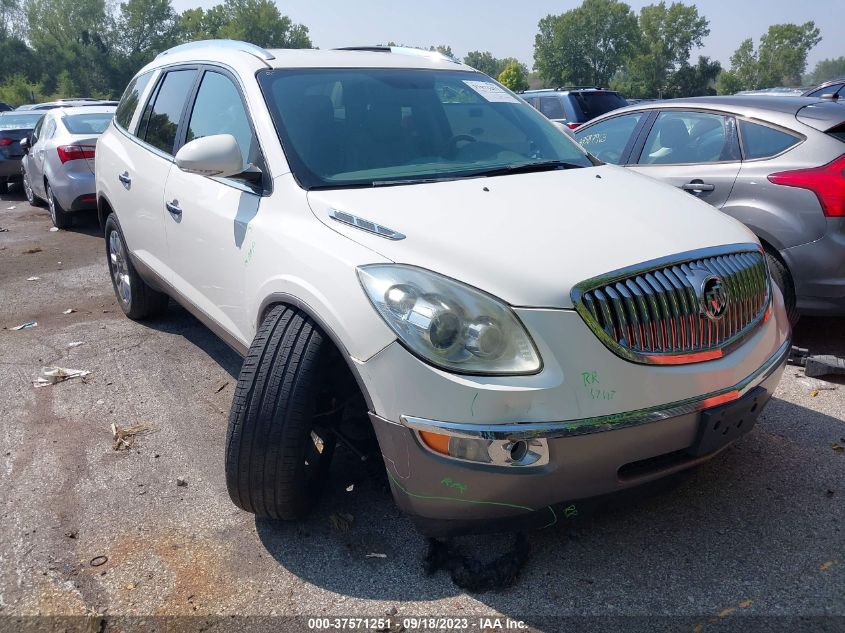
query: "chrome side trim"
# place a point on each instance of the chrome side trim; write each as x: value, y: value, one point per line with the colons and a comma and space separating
x: 569, y: 428
x: 157, y: 281
x: 365, y: 225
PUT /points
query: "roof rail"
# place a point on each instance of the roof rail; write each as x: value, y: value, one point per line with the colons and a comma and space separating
x: 401, y: 50
x: 252, y: 49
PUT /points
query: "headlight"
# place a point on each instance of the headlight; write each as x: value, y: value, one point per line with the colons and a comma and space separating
x: 448, y: 324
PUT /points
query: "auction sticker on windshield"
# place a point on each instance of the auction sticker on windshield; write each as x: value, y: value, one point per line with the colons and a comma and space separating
x: 491, y: 91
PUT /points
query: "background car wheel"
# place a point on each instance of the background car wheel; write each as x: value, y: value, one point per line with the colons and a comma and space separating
x: 4, y: 185
x: 136, y: 298
x: 278, y: 451
x: 780, y: 275
x: 31, y: 198
x: 61, y: 218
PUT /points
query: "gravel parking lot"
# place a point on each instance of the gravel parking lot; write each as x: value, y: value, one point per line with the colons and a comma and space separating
x: 760, y: 530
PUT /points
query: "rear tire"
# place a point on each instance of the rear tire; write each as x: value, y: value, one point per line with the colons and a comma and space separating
x: 780, y: 275
x: 61, y: 218
x: 277, y: 452
x: 136, y: 298
x: 4, y: 185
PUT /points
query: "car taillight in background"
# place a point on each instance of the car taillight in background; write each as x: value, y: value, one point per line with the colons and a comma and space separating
x: 4, y: 142
x: 74, y: 152
x: 827, y: 182
x: 573, y: 126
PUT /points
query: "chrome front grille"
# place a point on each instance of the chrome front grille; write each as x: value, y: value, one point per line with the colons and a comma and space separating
x: 682, y: 309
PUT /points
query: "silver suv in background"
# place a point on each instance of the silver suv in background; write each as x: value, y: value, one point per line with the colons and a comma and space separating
x: 574, y: 106
x: 776, y: 165
x: 58, y: 167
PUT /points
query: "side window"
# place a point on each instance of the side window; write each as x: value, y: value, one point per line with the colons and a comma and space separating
x: 607, y: 140
x: 828, y: 90
x: 49, y: 130
x: 36, y: 132
x: 129, y: 101
x: 552, y: 107
x: 760, y: 141
x: 218, y: 109
x: 688, y: 137
x: 162, y: 114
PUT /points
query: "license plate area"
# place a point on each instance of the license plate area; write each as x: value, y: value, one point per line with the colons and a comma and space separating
x: 723, y: 424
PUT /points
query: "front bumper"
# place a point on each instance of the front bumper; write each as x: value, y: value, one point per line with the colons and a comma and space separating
x: 588, y: 458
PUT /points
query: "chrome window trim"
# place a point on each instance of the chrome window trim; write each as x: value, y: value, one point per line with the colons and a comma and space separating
x: 623, y: 273
x: 612, y: 422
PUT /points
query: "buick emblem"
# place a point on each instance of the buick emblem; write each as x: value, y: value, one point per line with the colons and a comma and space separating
x: 714, y: 299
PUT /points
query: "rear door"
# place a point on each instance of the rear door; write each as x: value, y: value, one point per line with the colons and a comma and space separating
x: 696, y: 151
x: 208, y: 219
x: 35, y: 165
x: 138, y: 173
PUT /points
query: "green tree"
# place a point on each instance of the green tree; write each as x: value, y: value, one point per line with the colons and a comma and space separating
x: 515, y: 77
x: 826, y: 70
x: 728, y: 83
x: 144, y: 28
x: 668, y: 35
x: 782, y: 54
x: 17, y: 90
x: 255, y: 21
x: 587, y: 44
x: 695, y: 81
x: 12, y: 19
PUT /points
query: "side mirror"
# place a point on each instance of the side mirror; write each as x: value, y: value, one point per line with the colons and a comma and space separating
x: 24, y: 143
x: 564, y: 128
x: 217, y: 155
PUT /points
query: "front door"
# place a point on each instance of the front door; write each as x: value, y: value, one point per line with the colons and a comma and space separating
x: 208, y: 219
x: 694, y: 151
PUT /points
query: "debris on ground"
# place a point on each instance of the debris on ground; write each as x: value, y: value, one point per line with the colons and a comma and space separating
x: 816, y: 364
x: 69, y: 311
x: 32, y: 251
x: 475, y: 575
x: 33, y: 278
x: 222, y: 386
x: 341, y: 521
x: 14, y: 206
x: 3, y: 229
x: 75, y: 343
x: 52, y: 375
x: 26, y: 326
x: 376, y: 555
x: 836, y: 446
x: 181, y: 483
x: 53, y: 229
x: 71, y: 534
x: 350, y: 487
x: 125, y: 436
x: 99, y: 560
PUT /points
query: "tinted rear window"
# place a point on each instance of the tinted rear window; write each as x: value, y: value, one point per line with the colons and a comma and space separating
x: 838, y: 132
x: 161, y: 116
x: 589, y: 105
x: 19, y: 121
x: 760, y: 141
x: 129, y: 100
x: 87, y: 123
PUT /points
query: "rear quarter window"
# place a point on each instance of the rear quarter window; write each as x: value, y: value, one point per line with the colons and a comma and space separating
x: 130, y: 100
x: 760, y: 141
x: 838, y: 132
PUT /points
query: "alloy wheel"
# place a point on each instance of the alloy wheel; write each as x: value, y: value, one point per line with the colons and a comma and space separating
x: 119, y: 269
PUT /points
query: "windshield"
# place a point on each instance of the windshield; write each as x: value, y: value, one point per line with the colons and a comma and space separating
x: 359, y: 127
x: 593, y: 104
x: 87, y: 123
x: 9, y: 121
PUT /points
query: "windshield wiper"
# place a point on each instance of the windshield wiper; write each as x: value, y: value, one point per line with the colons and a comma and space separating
x: 525, y: 168
x: 411, y: 181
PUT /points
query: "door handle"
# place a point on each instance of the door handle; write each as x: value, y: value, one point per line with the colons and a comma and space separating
x: 174, y: 209
x: 697, y: 186
x: 125, y: 179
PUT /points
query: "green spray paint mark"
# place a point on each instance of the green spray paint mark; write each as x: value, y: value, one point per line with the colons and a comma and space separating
x: 472, y: 406
x: 454, y: 484
x: 474, y: 501
x: 570, y: 511
x: 249, y: 253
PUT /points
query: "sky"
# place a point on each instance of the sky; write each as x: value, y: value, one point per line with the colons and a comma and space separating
x: 507, y: 29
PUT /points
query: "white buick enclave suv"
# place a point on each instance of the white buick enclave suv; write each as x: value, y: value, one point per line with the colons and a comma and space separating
x: 397, y: 243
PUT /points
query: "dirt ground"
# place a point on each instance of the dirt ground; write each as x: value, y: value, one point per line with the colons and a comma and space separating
x: 86, y: 529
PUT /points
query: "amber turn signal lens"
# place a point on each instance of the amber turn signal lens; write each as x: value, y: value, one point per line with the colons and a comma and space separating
x: 436, y: 442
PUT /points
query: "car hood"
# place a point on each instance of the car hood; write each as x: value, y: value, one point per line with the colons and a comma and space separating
x: 529, y: 238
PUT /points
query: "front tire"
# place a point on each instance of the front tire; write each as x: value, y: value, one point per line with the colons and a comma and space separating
x: 277, y: 451
x: 61, y: 218
x: 31, y: 198
x: 136, y: 298
x: 4, y: 185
